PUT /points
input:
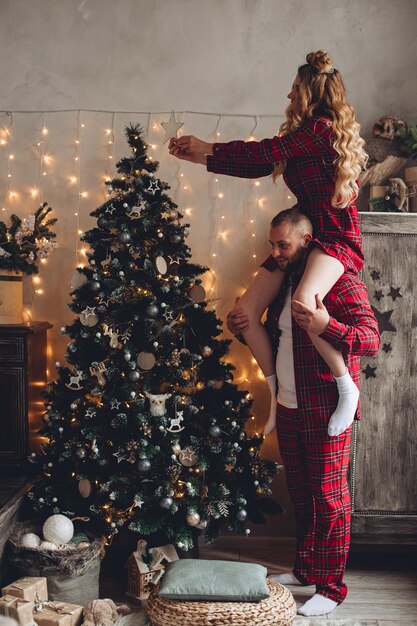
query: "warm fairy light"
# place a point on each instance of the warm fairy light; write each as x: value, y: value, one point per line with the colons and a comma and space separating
x: 44, y: 131
x: 82, y: 125
x: 46, y: 158
x: 44, y: 261
x: 77, y: 141
x: 80, y: 232
x: 36, y: 279
x: 83, y: 194
x: 254, y: 256
x: 34, y: 192
x: 108, y: 131
x: 13, y: 194
x: 3, y: 142
x: 214, y: 254
x: 11, y: 156
x: 84, y: 251
x: 187, y: 211
x: 222, y: 217
x: 218, y: 134
x: 221, y: 195
x: 257, y: 183
x: 73, y: 180
x: 39, y: 291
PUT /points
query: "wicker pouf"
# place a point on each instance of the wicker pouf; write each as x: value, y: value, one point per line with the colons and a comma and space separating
x: 277, y: 610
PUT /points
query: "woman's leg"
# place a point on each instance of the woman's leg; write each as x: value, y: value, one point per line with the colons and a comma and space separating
x: 321, y: 272
x: 256, y: 299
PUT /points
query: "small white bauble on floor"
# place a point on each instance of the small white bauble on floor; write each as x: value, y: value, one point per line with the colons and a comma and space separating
x: 30, y: 540
x: 58, y: 529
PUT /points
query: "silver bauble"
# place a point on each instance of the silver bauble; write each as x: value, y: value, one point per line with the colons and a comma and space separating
x: 192, y: 519
x: 124, y: 237
x: 166, y: 503
x: 214, y: 431
x: 152, y: 310
x: 144, y: 465
x: 94, y: 285
x: 241, y: 515
x: 134, y: 376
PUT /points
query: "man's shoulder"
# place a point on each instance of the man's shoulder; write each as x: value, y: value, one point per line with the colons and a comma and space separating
x: 347, y: 283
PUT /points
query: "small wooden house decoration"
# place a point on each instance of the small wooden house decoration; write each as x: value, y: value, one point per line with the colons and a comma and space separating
x: 140, y: 576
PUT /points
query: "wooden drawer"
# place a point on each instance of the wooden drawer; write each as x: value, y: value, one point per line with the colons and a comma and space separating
x: 12, y: 349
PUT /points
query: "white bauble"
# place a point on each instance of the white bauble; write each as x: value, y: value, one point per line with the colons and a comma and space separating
x: 30, y: 540
x: 58, y: 529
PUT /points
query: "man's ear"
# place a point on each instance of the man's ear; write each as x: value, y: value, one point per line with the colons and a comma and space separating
x: 307, y: 239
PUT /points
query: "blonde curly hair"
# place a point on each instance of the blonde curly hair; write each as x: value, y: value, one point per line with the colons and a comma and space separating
x: 321, y: 92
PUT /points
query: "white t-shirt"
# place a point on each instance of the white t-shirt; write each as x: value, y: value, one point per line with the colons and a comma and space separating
x: 287, y: 395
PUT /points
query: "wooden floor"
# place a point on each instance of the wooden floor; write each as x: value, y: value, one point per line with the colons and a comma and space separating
x: 382, y: 583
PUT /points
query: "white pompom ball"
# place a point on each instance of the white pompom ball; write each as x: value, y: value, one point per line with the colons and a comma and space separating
x: 58, y: 529
x: 30, y: 540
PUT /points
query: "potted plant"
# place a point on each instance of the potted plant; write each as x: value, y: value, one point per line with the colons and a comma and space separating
x: 22, y: 245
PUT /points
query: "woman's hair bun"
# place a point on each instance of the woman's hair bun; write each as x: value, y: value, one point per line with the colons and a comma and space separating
x: 320, y: 62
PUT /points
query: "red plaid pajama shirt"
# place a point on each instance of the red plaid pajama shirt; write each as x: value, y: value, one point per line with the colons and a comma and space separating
x: 310, y: 173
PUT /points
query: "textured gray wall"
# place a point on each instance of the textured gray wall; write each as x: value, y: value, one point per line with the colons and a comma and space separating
x: 234, y: 57
x: 238, y: 56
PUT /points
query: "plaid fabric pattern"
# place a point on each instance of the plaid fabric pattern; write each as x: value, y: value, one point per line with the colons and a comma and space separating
x: 316, y: 472
x: 353, y: 330
x: 310, y: 174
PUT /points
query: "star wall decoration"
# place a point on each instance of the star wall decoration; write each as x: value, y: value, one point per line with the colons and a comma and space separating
x: 378, y: 295
x: 90, y: 413
x: 383, y: 319
x: 171, y: 128
x: 369, y: 371
x: 395, y: 293
x: 375, y: 274
x: 173, y: 260
x: 387, y: 347
x: 114, y: 404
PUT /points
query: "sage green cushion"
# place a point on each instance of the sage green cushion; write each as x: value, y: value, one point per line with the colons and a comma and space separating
x: 222, y: 581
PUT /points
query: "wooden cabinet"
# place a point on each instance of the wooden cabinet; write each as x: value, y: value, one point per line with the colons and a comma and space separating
x: 383, y: 473
x: 22, y: 380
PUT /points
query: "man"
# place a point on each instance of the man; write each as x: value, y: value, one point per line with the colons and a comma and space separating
x: 316, y: 462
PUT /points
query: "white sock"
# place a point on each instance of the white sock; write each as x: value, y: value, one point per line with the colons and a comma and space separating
x: 346, y: 406
x: 271, y: 423
x: 285, y: 579
x: 317, y: 605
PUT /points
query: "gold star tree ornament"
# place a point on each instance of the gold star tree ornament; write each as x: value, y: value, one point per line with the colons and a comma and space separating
x: 171, y: 127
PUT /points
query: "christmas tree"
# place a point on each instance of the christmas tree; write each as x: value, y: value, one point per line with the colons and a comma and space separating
x: 145, y: 427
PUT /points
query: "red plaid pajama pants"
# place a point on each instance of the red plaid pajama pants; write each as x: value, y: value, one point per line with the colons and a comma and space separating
x: 316, y: 471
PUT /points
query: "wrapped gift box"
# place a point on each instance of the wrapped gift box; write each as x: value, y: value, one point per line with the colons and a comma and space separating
x: 59, y: 614
x: 27, y: 588
x: 18, y: 609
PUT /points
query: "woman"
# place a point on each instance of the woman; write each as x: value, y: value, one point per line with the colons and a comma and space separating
x: 320, y: 154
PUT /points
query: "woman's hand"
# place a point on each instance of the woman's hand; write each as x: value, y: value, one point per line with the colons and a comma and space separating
x: 189, y: 148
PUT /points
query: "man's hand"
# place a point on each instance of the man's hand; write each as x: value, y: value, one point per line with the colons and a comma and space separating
x: 312, y: 320
x: 237, y: 321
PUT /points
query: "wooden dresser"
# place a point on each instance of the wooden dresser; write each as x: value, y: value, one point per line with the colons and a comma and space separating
x: 383, y: 473
x: 22, y: 380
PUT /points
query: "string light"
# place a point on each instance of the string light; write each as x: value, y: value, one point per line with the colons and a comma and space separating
x: 219, y: 193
